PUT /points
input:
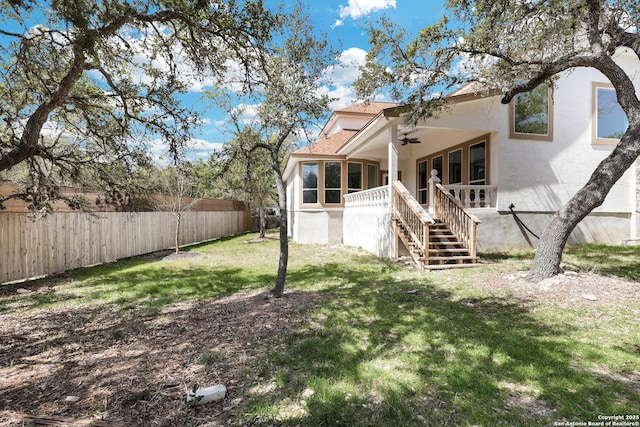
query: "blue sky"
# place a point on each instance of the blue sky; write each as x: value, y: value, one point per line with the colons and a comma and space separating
x: 343, y: 21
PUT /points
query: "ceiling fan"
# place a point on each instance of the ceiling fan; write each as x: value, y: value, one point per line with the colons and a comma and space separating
x: 406, y: 140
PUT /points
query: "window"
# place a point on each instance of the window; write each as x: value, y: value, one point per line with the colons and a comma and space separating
x: 455, y: 167
x: 372, y: 176
x: 610, y: 119
x: 466, y: 164
x: 333, y: 182
x: 310, y: 183
x: 436, y: 163
x: 477, y: 169
x: 531, y: 115
x: 477, y: 163
x: 354, y: 177
x: 325, y: 182
x: 423, y: 182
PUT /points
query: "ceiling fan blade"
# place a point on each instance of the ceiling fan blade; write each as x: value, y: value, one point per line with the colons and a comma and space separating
x: 406, y: 140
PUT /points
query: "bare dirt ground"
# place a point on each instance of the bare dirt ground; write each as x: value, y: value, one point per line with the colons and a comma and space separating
x: 95, y: 366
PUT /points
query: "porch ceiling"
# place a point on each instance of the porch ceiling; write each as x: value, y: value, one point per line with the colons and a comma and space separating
x: 432, y: 139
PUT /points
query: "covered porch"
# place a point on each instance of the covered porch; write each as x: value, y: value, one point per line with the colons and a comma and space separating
x: 433, y: 180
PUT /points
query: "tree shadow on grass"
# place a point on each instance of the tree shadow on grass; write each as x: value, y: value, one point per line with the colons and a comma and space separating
x: 385, y: 351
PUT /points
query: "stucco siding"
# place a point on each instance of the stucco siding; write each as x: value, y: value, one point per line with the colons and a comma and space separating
x: 369, y: 228
x: 317, y: 226
x: 500, y: 231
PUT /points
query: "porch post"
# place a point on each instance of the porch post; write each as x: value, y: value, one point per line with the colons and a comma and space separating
x: 393, y: 176
x: 393, y: 155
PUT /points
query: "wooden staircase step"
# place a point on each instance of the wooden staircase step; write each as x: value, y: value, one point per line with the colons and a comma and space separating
x: 441, y: 235
x: 451, y: 259
x: 450, y: 266
x: 449, y: 251
x: 447, y: 243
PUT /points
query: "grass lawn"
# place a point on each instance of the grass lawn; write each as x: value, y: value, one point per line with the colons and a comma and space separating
x: 356, y: 341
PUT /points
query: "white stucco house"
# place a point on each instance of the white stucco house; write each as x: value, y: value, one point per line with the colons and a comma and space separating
x: 366, y: 181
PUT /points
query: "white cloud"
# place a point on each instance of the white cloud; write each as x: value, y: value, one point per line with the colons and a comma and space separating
x: 194, y: 149
x: 348, y: 68
x: 201, y: 149
x: 357, y: 8
x: 342, y: 77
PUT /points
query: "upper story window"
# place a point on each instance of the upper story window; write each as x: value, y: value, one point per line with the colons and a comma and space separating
x: 333, y: 182
x: 310, y: 183
x: 531, y: 115
x: 609, y: 119
x: 325, y: 182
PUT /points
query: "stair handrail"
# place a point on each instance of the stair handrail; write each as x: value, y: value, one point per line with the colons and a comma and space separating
x: 412, y: 215
x: 463, y: 224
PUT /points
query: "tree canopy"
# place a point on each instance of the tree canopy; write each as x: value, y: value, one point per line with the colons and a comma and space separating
x: 514, y: 46
x: 84, y: 84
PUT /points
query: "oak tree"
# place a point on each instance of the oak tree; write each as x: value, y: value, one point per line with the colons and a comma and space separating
x: 84, y: 84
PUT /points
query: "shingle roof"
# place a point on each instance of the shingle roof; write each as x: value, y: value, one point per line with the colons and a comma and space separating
x: 372, y: 108
x: 328, y: 145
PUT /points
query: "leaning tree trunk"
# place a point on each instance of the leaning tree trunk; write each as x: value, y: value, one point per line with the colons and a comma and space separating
x: 589, y: 197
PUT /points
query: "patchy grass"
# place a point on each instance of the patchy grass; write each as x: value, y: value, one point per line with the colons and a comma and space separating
x: 621, y: 261
x: 371, y: 343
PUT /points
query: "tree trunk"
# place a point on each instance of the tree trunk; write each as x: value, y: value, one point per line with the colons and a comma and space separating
x: 278, y: 289
x: 263, y: 216
x: 555, y: 235
x: 178, y: 221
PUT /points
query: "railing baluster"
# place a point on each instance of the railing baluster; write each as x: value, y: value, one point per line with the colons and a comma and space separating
x: 462, y: 223
x: 482, y: 195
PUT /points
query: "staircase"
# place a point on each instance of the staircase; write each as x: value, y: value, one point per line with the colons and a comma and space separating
x: 446, y: 242
x: 446, y: 251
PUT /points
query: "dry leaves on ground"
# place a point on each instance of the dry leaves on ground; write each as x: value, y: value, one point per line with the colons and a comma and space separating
x: 94, y: 364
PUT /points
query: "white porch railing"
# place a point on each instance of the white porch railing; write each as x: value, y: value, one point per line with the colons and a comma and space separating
x: 368, y: 198
x: 474, y: 196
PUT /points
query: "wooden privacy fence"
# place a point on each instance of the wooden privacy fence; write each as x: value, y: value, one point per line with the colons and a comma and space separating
x: 66, y: 240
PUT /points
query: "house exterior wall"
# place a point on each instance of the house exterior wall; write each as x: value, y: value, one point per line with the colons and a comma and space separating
x: 499, y: 231
x: 366, y: 222
x: 311, y: 225
x: 317, y: 226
